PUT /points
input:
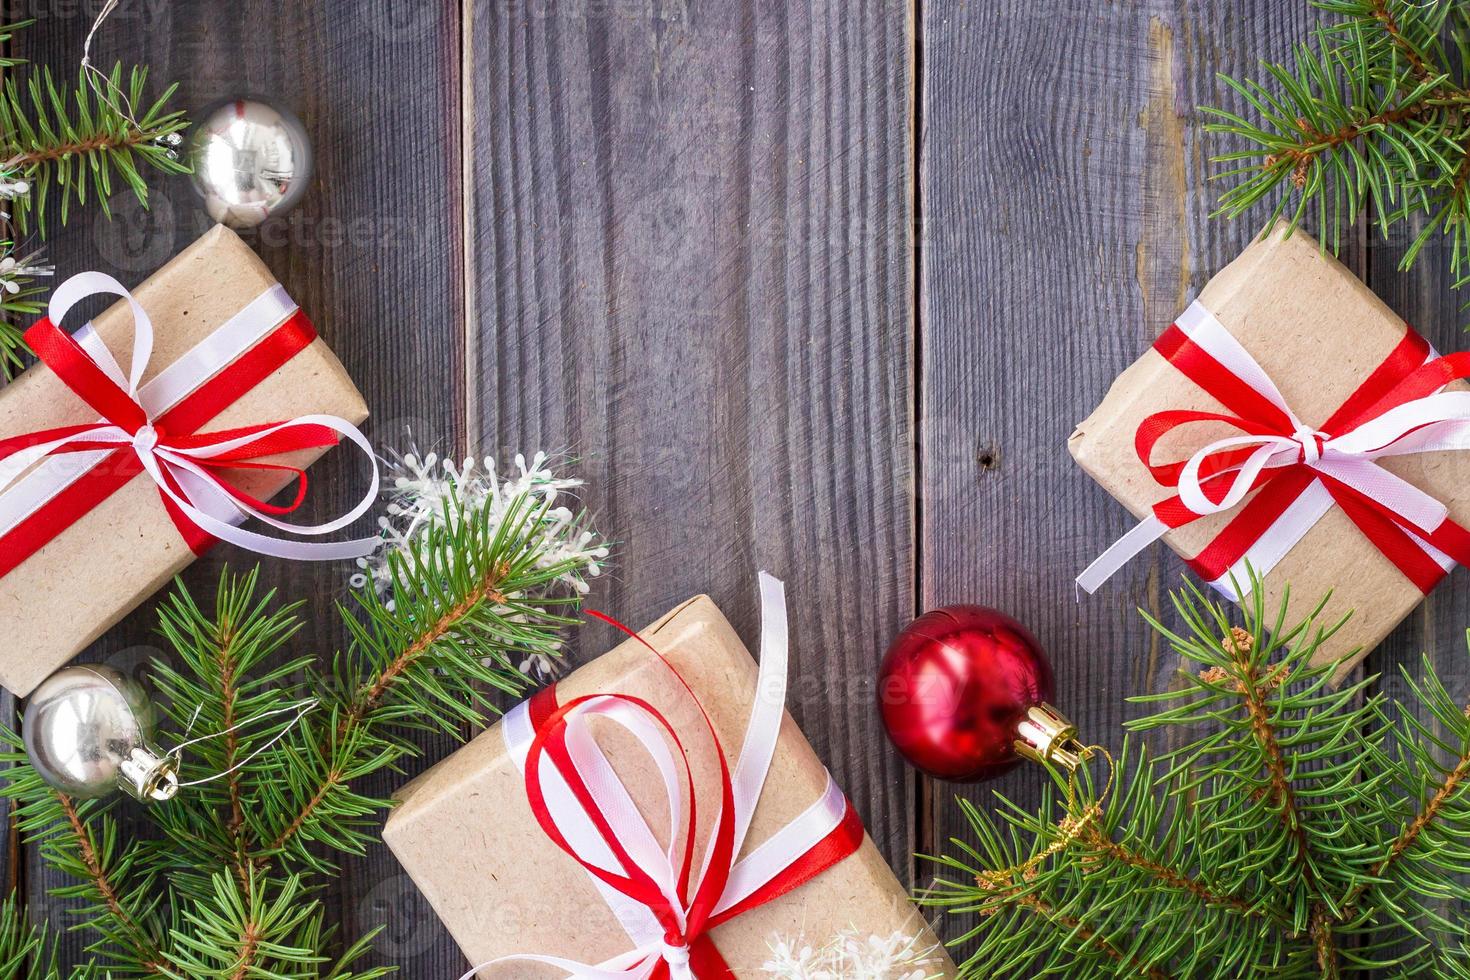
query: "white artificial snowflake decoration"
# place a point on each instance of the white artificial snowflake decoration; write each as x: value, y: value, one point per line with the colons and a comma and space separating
x: 10, y: 188
x: 418, y: 488
x: 13, y: 270
x: 850, y: 956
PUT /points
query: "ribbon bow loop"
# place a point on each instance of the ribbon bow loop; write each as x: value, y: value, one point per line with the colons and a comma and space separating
x: 154, y: 428
x: 1292, y: 472
x: 666, y: 904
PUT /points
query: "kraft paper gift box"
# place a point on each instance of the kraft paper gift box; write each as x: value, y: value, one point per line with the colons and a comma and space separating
x: 67, y: 594
x: 466, y: 835
x: 1318, y: 333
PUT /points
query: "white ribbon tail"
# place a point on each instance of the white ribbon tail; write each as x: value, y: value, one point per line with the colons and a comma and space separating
x: 766, y: 710
x: 808, y: 830
x: 1122, y: 551
x: 183, y: 458
x: 15, y: 465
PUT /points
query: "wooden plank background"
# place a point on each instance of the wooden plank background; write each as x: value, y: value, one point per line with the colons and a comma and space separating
x: 799, y: 284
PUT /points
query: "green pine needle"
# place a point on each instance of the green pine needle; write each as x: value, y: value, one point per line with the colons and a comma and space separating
x: 1290, y: 830
x: 68, y: 142
x: 1369, y: 118
x: 229, y: 886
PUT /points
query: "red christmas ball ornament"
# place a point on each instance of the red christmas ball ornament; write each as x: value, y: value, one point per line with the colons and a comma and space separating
x: 964, y: 694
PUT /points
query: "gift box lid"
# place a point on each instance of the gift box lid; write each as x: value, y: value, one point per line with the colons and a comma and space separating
x: 127, y: 547
x: 1318, y: 332
x: 465, y: 833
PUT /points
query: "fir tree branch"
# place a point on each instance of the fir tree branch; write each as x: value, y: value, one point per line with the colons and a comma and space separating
x: 69, y: 142
x: 234, y: 826
x: 149, y: 955
x: 1254, y: 690
x: 469, y: 596
x: 1165, y: 875
x: 1418, y: 66
x: 1453, y: 782
x: 1371, y: 116
x: 371, y: 696
x: 1077, y: 928
x: 333, y: 780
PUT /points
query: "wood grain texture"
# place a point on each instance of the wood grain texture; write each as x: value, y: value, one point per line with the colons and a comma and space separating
x: 1065, y: 222
x: 370, y: 254
x: 689, y: 269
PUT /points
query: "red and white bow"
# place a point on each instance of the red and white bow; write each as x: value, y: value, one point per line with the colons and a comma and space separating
x: 657, y: 895
x: 1283, y: 475
x: 49, y: 478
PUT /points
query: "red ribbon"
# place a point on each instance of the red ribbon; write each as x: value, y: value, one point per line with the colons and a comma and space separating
x: 177, y: 428
x: 549, y: 719
x: 1403, y: 376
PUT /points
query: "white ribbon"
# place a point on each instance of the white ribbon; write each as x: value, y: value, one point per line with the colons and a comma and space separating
x: 750, y: 873
x: 1435, y: 423
x: 29, y: 479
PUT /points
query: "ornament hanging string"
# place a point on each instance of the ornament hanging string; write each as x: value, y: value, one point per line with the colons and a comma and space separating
x: 98, y: 79
x: 301, y: 709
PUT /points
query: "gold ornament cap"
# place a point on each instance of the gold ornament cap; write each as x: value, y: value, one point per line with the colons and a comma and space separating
x: 147, y: 777
x: 1045, y: 735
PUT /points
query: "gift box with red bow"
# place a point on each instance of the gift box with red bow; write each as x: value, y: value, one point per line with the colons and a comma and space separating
x: 150, y: 433
x: 1290, y: 424
x: 558, y: 842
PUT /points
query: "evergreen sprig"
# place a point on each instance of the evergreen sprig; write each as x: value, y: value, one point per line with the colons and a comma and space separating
x: 63, y: 145
x: 1294, y: 829
x: 229, y: 889
x: 67, y: 141
x: 1370, y: 117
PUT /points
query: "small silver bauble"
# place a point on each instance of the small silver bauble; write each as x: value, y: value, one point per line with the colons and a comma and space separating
x: 88, y: 732
x: 251, y: 160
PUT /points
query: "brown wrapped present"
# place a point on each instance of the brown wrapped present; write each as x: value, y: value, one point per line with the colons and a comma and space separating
x: 466, y: 833
x: 89, y: 566
x: 1335, y: 352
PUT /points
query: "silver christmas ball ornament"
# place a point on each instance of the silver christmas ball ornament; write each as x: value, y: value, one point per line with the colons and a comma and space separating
x: 251, y: 160
x: 88, y: 732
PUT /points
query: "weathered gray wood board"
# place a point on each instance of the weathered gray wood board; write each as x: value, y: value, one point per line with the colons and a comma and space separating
x: 688, y: 237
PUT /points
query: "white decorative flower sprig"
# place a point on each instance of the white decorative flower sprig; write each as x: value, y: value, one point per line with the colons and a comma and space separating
x: 419, y: 487
x: 851, y: 956
x: 12, y: 186
x: 15, y: 273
